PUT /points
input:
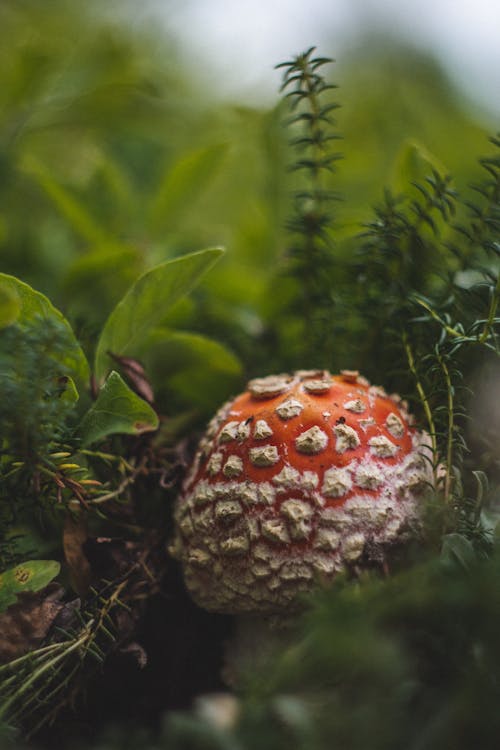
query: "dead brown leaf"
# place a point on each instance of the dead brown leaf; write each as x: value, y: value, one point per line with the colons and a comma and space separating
x: 25, y: 624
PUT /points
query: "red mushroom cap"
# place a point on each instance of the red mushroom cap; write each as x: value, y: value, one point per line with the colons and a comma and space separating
x: 300, y: 477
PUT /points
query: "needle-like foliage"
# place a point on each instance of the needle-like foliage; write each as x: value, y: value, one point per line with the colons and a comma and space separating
x: 311, y: 256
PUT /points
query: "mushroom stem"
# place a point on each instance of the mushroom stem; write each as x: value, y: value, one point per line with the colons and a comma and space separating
x: 250, y: 649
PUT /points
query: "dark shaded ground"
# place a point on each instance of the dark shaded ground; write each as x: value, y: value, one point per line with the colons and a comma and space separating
x: 184, y: 647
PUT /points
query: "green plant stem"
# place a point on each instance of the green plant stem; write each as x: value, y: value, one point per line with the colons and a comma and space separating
x: 420, y: 390
x: 492, y: 313
x: 450, y: 427
x: 449, y: 330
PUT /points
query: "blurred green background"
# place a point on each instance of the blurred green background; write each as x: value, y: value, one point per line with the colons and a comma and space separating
x: 116, y: 154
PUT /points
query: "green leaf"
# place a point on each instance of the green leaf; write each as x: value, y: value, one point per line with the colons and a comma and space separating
x: 413, y: 164
x: 182, y: 184
x: 69, y: 392
x: 146, y: 302
x: 10, y: 306
x: 105, y: 275
x: 73, y: 210
x: 31, y: 575
x: 457, y: 552
x: 200, y: 370
x: 117, y: 410
x: 32, y: 305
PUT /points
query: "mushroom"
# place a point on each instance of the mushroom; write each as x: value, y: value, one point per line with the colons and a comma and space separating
x: 298, y: 479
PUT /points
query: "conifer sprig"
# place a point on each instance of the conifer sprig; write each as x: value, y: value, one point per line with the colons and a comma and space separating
x: 35, y: 687
x: 311, y: 251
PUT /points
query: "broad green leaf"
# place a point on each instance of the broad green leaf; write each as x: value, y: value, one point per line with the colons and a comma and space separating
x: 69, y: 392
x: 146, y: 302
x: 73, y: 210
x: 182, y: 183
x: 105, y: 275
x: 413, y: 164
x: 10, y: 306
x: 200, y: 370
x: 31, y: 575
x: 457, y: 552
x: 117, y: 410
x: 33, y: 304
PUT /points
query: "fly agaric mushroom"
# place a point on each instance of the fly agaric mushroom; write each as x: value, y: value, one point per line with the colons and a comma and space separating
x: 300, y: 477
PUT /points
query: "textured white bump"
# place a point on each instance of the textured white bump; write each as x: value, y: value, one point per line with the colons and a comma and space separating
x: 363, y: 509
x: 275, y: 530
x: 327, y: 540
x: 236, y: 545
x: 333, y: 517
x: 287, y: 478
x: 266, y: 493
x: 382, y: 447
x: 186, y: 526
x: 228, y: 432
x: 200, y: 558
x: 308, y: 374
x: 204, y: 522
x: 293, y: 571
x: 267, y: 455
x: 212, y: 546
x: 324, y: 565
x: 394, y: 425
x: 246, y: 492
x: 262, y: 552
x: 274, y: 583
x: 313, y: 440
x: 336, y: 482
x: 350, y: 376
x: 276, y: 562
x: 269, y: 387
x: 243, y: 431
x: 317, y: 386
x: 356, y: 405
x: 415, y: 474
x: 298, y: 515
x: 417, y: 481
x: 318, y: 499
x: 353, y: 546
x: 261, y: 570
x: 309, y: 480
x: 262, y: 430
x: 214, y: 464
x: 377, y: 390
x: 223, y: 490
x: 365, y: 423
x: 370, y: 513
x: 233, y: 467
x: 347, y: 438
x: 227, y: 510
x: 296, y: 510
x: 253, y: 529
x: 203, y: 493
x: 368, y: 476
x: 289, y: 409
